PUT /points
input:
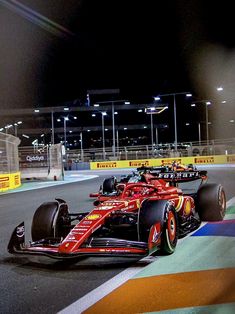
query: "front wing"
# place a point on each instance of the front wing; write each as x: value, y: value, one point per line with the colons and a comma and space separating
x: 95, y: 247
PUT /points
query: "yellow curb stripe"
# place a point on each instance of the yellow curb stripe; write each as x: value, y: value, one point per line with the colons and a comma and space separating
x: 164, y: 292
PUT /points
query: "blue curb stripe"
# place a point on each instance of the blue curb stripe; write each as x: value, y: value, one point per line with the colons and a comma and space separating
x: 223, y: 228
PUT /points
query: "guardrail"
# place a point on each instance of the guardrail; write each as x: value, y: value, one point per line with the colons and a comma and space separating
x: 168, y: 150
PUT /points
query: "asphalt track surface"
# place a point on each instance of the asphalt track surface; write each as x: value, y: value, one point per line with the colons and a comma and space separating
x: 41, y: 285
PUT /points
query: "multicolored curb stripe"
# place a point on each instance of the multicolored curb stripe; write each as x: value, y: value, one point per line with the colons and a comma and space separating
x: 198, y: 278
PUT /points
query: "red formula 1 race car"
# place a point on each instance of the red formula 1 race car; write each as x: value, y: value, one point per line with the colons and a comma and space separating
x: 112, y: 186
x: 140, y: 220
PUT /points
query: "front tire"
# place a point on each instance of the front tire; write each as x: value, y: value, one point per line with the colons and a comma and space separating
x: 211, y: 202
x: 163, y: 212
x: 49, y: 221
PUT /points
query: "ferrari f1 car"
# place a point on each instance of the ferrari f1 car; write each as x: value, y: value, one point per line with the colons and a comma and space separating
x: 142, y: 219
x: 111, y: 186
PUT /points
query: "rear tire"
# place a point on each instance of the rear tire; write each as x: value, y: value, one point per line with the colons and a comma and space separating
x: 49, y: 221
x: 164, y: 212
x: 211, y: 202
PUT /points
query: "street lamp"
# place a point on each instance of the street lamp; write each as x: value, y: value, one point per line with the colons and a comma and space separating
x: 113, y: 118
x: 151, y: 111
x: 16, y: 126
x: 206, y: 103
x: 175, y: 114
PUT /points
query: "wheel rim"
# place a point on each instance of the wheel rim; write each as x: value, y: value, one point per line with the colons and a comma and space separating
x: 222, y: 202
x: 171, y: 226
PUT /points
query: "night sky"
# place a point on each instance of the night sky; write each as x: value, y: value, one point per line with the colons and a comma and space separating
x: 143, y: 48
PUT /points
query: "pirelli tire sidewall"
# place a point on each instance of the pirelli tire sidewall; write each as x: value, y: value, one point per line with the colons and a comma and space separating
x: 164, y: 212
x: 48, y: 221
x: 211, y: 202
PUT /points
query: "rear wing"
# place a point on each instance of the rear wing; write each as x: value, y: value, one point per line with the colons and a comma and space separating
x: 180, y: 176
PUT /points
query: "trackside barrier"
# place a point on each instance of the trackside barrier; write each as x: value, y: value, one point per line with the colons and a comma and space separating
x: 41, y: 162
x: 197, y: 160
x: 9, y: 181
x: 10, y: 177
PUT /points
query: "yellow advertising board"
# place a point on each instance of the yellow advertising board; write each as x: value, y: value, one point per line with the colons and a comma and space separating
x: 195, y: 160
x: 9, y: 181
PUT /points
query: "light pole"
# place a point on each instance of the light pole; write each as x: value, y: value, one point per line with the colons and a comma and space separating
x: 156, y: 137
x: 207, y: 127
x: 175, y: 114
x: 113, y: 118
x: 207, y: 103
x: 52, y: 129
x: 151, y: 115
x: 16, y: 126
x: 103, y: 113
x: 113, y: 123
x: 117, y: 136
x: 65, y: 133
x: 81, y: 141
x: 199, y: 133
x: 151, y: 111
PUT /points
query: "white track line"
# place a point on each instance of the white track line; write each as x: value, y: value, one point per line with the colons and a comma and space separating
x: 97, y: 294
x: 231, y: 202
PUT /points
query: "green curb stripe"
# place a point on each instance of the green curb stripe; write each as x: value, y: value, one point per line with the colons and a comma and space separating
x: 230, y: 210
x: 194, y: 254
x: 227, y: 308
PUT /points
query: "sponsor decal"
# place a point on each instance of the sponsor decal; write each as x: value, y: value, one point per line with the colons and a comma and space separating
x: 81, y: 229
x: 105, y: 207
x: 178, y: 175
x: 86, y: 222
x: 4, y: 182
x: 114, y: 250
x: 106, y: 165
x: 20, y: 231
x: 139, y: 163
x: 35, y: 158
x: 231, y: 159
x: 4, y: 179
x: 17, y: 179
x: 166, y: 162
x: 78, y: 232
x: 155, y: 235
x: 116, y: 203
x: 93, y: 217
x: 187, y: 207
x: 204, y: 160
